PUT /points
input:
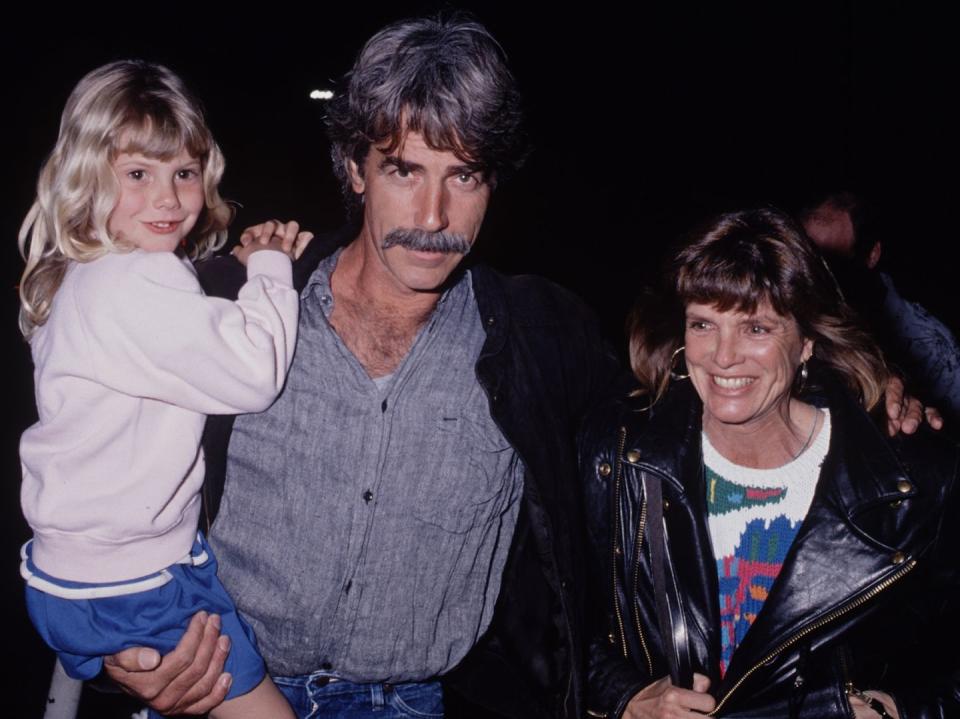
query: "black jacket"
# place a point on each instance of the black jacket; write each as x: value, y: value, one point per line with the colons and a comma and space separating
x: 868, y: 593
x: 542, y: 365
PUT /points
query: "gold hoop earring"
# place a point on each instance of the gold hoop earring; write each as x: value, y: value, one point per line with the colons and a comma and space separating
x: 802, y: 375
x: 673, y: 360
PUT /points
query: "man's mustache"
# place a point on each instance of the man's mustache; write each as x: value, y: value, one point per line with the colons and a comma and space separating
x: 425, y: 241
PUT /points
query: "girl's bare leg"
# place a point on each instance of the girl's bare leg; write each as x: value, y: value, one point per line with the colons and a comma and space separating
x: 264, y: 702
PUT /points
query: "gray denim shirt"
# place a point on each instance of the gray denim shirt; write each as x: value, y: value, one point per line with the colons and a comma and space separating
x: 364, y: 529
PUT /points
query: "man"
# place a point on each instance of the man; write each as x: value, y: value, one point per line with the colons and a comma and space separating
x: 913, y: 340
x: 408, y: 509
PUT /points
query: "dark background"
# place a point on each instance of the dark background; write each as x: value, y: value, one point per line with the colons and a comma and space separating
x: 642, y: 122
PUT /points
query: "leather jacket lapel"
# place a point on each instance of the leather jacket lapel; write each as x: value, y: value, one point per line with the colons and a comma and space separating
x: 679, y: 466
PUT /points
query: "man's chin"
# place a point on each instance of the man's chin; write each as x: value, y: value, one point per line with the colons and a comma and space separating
x: 430, y: 273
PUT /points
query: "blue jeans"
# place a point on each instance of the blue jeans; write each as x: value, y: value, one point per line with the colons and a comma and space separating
x: 312, y: 696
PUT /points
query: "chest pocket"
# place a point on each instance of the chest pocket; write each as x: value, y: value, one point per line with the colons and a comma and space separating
x: 465, y: 477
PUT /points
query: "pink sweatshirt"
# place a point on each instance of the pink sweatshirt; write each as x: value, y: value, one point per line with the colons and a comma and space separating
x: 131, y: 359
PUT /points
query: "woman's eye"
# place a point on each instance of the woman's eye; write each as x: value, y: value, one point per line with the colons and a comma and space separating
x: 758, y: 330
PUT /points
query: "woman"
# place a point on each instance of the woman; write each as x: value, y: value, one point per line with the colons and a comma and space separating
x: 743, y: 504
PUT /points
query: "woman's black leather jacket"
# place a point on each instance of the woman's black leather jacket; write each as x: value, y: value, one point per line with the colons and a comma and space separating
x: 867, y: 597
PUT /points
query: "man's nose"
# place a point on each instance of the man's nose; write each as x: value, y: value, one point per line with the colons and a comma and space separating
x: 431, y: 210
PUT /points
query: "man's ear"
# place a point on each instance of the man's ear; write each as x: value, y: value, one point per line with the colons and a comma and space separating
x: 874, y: 257
x: 357, y: 183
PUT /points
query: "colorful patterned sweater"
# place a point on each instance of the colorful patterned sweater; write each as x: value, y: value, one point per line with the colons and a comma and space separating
x: 754, y: 515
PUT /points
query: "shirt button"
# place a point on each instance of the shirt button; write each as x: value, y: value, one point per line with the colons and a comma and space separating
x: 367, y: 496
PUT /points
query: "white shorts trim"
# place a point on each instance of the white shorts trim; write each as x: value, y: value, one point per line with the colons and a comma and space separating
x: 102, y: 590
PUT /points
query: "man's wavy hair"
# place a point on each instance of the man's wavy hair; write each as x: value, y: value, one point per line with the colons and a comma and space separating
x: 125, y: 106
x: 736, y: 262
x: 445, y: 78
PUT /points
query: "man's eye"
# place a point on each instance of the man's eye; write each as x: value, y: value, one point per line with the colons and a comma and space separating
x: 697, y: 325
x: 401, y: 172
x: 465, y: 178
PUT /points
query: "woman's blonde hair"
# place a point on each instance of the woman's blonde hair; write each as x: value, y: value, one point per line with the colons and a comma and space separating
x: 736, y: 262
x: 126, y: 106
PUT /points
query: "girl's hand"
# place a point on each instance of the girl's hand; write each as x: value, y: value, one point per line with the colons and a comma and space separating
x: 273, y: 235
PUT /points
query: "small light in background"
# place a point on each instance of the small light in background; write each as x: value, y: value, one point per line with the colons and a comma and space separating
x: 321, y: 95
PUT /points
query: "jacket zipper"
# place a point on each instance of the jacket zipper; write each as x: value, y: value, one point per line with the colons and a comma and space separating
x: 831, y: 616
x: 641, y: 525
x: 847, y: 679
x: 616, y: 538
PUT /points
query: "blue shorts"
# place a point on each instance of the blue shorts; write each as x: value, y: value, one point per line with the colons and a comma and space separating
x: 89, y: 621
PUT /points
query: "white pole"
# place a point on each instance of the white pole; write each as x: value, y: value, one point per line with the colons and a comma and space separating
x: 64, y: 695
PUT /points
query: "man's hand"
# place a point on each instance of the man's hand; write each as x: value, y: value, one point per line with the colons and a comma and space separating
x: 662, y: 700
x: 273, y: 235
x: 188, y: 680
x: 906, y: 413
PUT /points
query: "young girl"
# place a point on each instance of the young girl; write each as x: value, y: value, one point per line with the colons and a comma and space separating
x: 129, y: 356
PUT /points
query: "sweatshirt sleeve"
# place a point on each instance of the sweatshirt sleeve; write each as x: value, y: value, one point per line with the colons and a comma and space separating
x: 151, y: 332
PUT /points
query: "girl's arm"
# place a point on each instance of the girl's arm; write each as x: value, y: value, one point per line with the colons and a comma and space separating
x: 149, y: 331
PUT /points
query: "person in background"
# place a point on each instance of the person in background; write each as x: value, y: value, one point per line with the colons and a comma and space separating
x: 913, y: 340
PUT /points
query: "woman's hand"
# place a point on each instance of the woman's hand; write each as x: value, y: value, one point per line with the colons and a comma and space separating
x: 862, y: 710
x: 662, y: 700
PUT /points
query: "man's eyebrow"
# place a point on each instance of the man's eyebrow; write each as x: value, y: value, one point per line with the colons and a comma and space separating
x: 399, y: 163
x: 464, y: 169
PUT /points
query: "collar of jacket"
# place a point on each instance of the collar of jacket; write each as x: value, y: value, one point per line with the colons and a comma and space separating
x: 858, y: 535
